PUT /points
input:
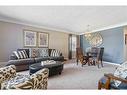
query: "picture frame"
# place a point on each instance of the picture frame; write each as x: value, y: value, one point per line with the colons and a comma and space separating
x: 30, y: 38
x: 43, y: 39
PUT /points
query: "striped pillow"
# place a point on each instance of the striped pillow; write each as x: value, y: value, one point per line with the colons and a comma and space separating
x: 55, y: 53
x: 20, y: 54
x: 24, y: 54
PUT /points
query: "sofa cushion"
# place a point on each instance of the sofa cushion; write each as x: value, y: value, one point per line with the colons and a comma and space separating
x: 18, y: 79
x: 43, y: 52
x: 39, y: 59
x: 21, y: 61
x: 60, y: 58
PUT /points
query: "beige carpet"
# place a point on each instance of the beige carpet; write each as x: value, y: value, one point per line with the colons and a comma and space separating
x: 77, y: 77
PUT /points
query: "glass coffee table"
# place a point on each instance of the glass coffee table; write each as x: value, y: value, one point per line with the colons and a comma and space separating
x: 54, y: 69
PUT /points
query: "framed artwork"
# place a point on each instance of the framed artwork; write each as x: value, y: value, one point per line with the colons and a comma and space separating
x: 43, y: 39
x: 30, y: 38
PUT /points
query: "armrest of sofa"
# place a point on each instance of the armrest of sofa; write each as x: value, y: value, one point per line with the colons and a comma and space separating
x: 111, y: 76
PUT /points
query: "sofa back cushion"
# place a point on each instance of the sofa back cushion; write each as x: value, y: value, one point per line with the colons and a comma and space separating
x: 18, y: 79
x: 43, y: 52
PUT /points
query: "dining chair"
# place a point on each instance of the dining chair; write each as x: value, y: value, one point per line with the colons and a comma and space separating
x: 80, y: 56
x: 92, y: 53
x: 99, y: 58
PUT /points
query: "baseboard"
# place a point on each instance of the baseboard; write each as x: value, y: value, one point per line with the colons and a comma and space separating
x: 111, y: 63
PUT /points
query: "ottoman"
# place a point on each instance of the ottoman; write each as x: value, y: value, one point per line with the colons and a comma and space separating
x: 53, y: 68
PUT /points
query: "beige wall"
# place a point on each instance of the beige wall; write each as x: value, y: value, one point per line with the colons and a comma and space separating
x: 11, y: 38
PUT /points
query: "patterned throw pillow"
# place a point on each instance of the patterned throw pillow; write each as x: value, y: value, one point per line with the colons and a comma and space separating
x: 34, y: 52
x: 24, y: 54
x: 55, y: 53
x: 121, y: 72
x: 20, y: 54
x: 52, y: 53
x: 44, y: 52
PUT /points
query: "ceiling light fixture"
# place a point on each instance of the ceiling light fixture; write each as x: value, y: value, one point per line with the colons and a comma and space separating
x: 88, y: 34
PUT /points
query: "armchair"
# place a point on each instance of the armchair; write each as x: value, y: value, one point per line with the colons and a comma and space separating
x: 118, y: 80
x: 10, y: 80
x: 107, y: 82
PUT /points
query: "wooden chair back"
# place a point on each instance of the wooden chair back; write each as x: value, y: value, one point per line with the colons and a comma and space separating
x: 100, y: 54
x: 79, y: 54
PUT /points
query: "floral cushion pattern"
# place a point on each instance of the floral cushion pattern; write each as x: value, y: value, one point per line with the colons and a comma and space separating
x: 121, y: 72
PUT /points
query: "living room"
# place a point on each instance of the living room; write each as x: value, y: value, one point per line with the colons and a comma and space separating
x: 34, y: 38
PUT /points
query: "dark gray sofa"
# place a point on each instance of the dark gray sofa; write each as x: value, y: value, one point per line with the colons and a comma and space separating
x: 23, y: 64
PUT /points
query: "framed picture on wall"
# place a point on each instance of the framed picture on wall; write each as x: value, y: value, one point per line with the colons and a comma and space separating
x: 43, y: 39
x: 30, y: 38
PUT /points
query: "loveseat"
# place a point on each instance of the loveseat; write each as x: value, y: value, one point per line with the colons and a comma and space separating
x: 34, y: 56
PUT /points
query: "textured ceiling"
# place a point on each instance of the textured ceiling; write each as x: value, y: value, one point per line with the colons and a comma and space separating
x: 66, y: 18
